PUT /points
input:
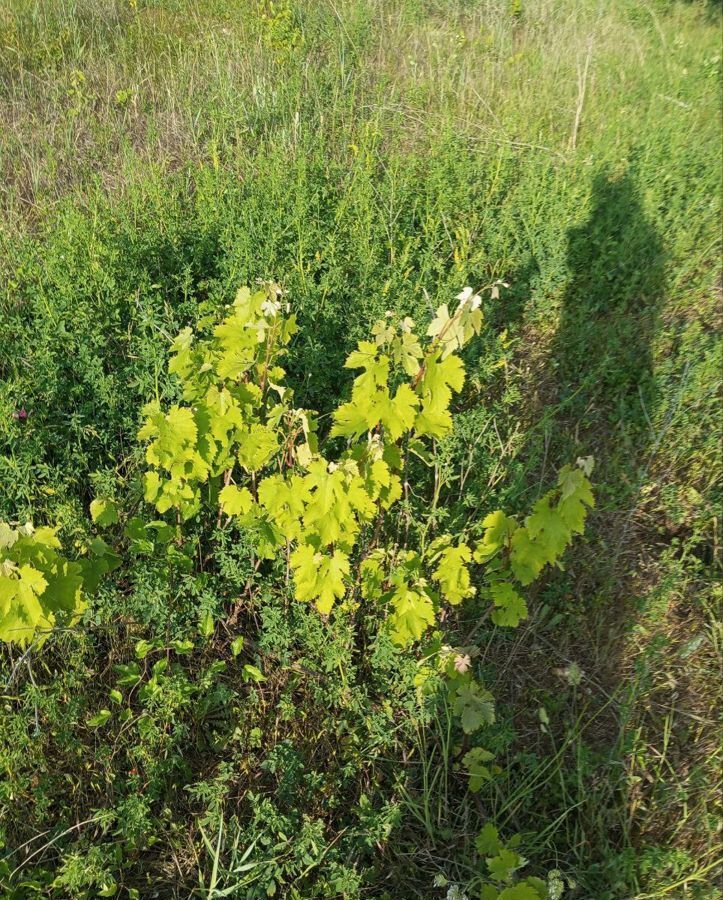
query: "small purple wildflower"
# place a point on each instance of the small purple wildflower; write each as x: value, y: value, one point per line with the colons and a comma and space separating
x: 20, y: 414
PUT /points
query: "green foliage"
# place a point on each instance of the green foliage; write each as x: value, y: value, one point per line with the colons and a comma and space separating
x: 313, y: 512
x: 155, y: 155
x: 475, y: 762
x: 242, y: 423
x: 512, y: 552
x: 40, y: 588
x: 475, y: 707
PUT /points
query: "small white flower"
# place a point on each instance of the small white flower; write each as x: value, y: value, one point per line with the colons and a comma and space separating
x: 495, y: 290
x: 270, y: 308
x: 467, y: 297
x: 456, y: 893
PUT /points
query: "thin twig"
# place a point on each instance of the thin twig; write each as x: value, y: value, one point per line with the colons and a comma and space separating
x: 53, y: 841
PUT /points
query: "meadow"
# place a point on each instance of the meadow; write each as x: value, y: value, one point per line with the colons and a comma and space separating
x: 197, y: 732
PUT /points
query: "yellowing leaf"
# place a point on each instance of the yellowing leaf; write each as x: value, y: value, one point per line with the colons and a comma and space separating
x: 354, y: 418
x: 548, y: 528
x: 38, y: 587
x: 406, y: 351
x: 499, y: 528
x: 8, y: 535
x: 319, y: 578
x: 235, y: 501
x: 103, y: 512
x: 337, y: 500
x: 284, y: 501
x: 151, y: 486
x: 440, y: 321
x: 372, y: 575
x: 412, y: 613
x: 527, y: 558
x: 237, y: 342
x: 257, y: 444
x: 452, y: 574
x: 363, y: 357
x: 576, y: 497
x: 441, y: 377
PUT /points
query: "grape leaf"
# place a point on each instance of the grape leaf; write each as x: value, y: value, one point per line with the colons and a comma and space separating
x: 548, y: 528
x: 38, y: 587
x: 363, y: 357
x: 257, y: 444
x: 397, y: 415
x: 354, y: 418
x: 475, y: 707
x: 235, y: 501
x: 285, y: 501
x: 441, y: 377
x: 372, y: 575
x: 337, y: 497
x: 452, y: 574
x: 521, y: 891
x: 8, y: 535
x: 576, y: 497
x: 319, y: 578
x: 474, y: 762
x: 251, y: 673
x: 100, y: 719
x: 527, y: 557
x: 503, y: 864
x: 488, y: 841
x: 499, y: 528
x: 103, y: 512
x: 413, y: 613
x: 511, y: 608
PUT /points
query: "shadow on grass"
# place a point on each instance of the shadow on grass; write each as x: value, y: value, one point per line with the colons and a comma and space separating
x: 601, y: 358
x: 596, y: 395
x: 601, y: 366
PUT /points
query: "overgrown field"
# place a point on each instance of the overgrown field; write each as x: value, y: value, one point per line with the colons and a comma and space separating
x: 563, y: 159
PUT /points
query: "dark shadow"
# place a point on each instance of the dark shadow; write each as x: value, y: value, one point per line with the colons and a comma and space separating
x: 600, y: 360
x: 510, y: 312
x: 597, y: 396
x: 589, y: 389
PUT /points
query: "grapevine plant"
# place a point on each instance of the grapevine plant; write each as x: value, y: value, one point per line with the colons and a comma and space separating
x: 332, y: 503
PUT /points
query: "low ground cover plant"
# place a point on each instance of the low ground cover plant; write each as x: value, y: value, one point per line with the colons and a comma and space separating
x: 290, y: 531
x: 198, y: 696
